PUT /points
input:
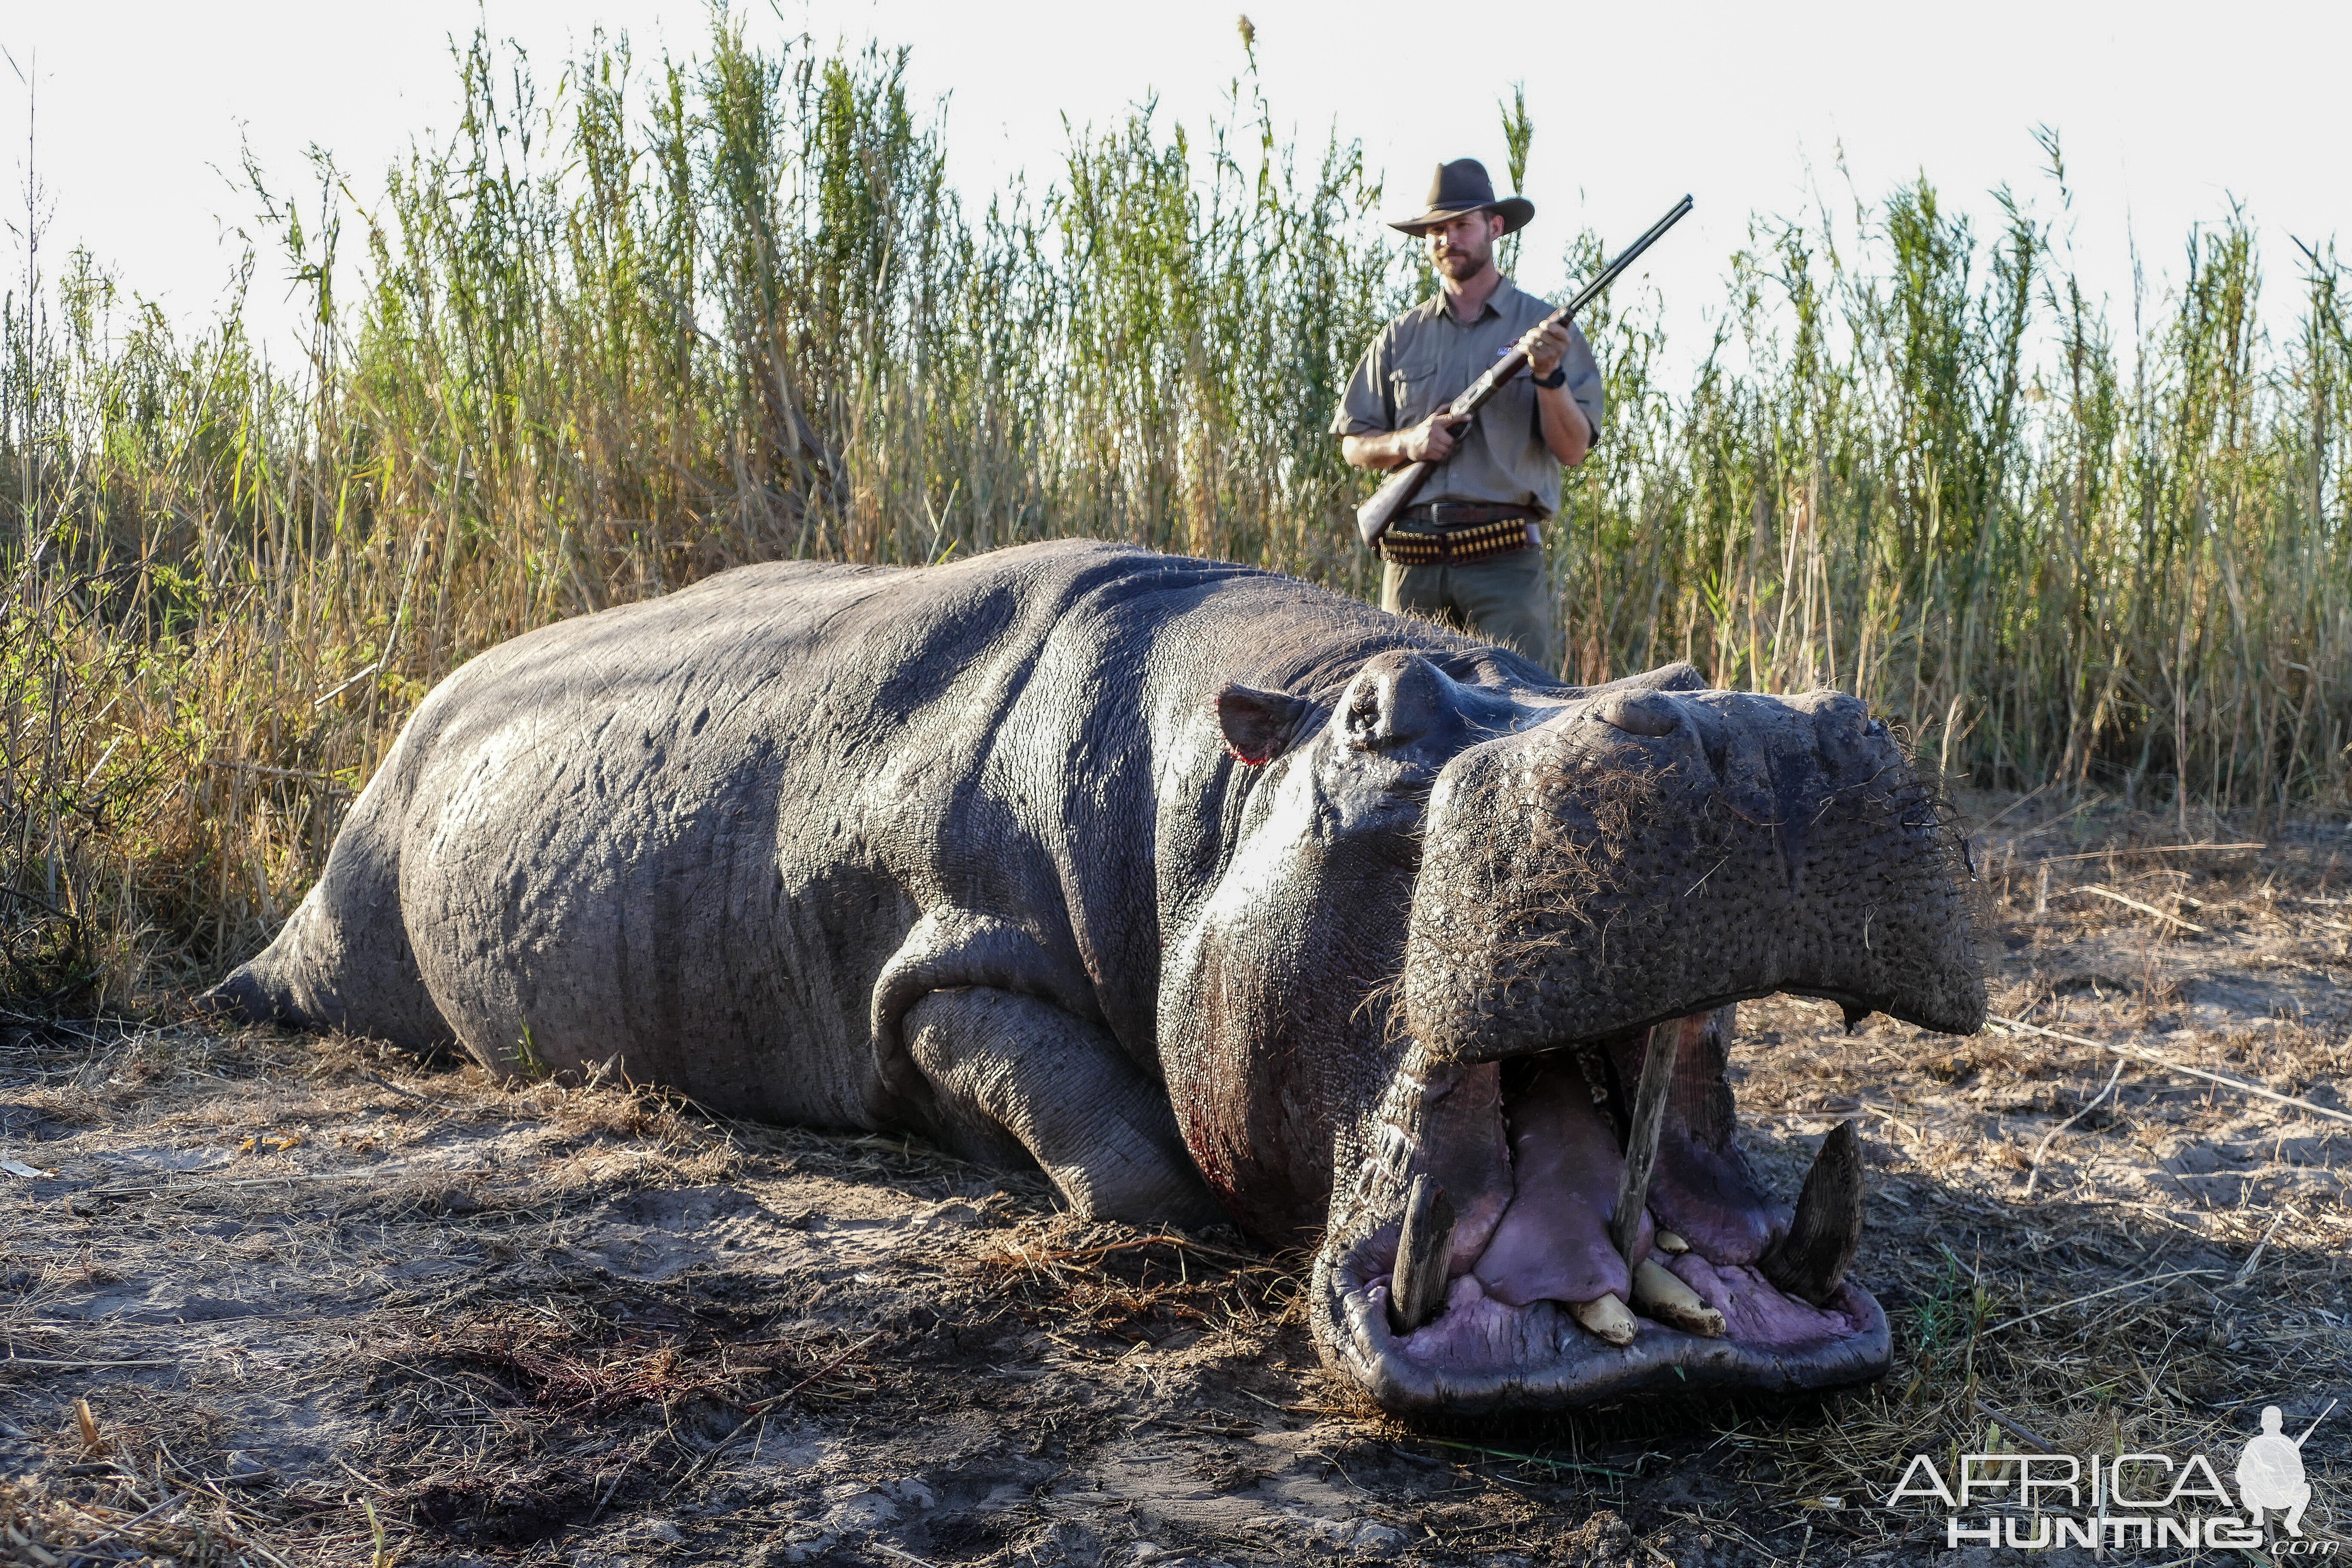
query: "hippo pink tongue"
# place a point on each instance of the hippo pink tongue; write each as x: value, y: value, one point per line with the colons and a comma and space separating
x: 1553, y: 1241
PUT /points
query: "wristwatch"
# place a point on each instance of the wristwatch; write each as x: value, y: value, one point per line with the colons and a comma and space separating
x: 1556, y: 380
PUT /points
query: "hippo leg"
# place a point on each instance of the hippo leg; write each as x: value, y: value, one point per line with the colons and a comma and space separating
x: 343, y: 959
x: 1010, y: 1069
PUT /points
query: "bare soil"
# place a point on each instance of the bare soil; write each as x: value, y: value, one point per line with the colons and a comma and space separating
x: 276, y: 1300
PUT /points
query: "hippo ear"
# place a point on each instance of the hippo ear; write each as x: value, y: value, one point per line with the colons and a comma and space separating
x: 1258, y: 724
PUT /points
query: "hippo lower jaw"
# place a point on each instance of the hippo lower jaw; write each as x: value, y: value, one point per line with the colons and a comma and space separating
x: 1482, y: 1355
x: 1540, y: 1306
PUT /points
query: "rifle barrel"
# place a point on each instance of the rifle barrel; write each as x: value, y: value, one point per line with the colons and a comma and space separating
x: 1626, y: 258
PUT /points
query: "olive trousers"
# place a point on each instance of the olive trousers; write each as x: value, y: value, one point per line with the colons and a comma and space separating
x: 1503, y: 598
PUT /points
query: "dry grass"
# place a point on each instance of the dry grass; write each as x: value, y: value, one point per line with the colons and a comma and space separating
x: 299, y: 1280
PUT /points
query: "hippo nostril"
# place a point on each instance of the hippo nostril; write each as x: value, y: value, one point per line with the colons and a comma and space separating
x: 1640, y: 714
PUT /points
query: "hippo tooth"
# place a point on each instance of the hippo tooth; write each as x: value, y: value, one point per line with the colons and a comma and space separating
x: 1660, y: 1295
x: 1424, y: 1246
x: 1669, y: 1242
x: 1606, y: 1318
x: 1641, y: 1136
x: 1812, y: 1259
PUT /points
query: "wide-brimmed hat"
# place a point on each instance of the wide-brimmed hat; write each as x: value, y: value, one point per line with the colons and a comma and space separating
x: 1462, y: 186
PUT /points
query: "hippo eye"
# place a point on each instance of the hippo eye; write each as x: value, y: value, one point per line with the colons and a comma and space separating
x: 1363, y: 719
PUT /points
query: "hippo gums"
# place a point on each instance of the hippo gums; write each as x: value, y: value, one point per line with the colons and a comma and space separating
x: 1211, y: 893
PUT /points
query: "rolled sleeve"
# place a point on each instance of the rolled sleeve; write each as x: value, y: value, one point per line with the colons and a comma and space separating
x: 1584, y: 382
x: 1364, y: 406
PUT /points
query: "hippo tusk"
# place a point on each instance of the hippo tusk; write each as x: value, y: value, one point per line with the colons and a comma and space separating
x: 1661, y: 1295
x: 1642, y: 1138
x: 1811, y: 1261
x: 1606, y: 1318
x: 1425, y: 1247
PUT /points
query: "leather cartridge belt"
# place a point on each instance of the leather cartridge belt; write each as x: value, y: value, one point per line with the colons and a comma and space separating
x: 1447, y: 533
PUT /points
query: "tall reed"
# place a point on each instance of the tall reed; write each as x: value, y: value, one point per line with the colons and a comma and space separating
x: 684, y: 314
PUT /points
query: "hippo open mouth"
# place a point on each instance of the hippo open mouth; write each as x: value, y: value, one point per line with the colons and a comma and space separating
x: 1510, y: 1278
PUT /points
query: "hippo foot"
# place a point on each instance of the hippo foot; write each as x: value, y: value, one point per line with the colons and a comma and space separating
x: 1548, y: 1301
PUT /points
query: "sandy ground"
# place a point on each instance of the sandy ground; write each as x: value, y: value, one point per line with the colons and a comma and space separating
x: 270, y: 1299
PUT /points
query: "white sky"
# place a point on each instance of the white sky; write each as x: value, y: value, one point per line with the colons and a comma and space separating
x: 2167, y: 113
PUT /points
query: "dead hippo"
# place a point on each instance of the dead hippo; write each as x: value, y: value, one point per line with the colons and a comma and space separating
x: 1206, y: 890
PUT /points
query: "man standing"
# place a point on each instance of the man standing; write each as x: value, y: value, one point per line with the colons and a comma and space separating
x: 1468, y: 551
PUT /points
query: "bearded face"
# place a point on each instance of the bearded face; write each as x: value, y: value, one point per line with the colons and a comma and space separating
x: 1460, y: 247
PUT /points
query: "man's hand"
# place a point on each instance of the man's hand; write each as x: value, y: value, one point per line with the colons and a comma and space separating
x: 1432, y: 440
x: 1566, y: 431
x: 1544, y: 346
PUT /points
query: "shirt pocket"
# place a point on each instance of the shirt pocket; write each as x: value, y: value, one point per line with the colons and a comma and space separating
x: 1415, y: 391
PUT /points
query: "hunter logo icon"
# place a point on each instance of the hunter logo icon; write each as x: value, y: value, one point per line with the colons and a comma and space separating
x: 2143, y: 1501
x: 2270, y: 1471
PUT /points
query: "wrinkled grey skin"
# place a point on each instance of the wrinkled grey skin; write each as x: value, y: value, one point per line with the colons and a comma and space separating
x: 974, y: 851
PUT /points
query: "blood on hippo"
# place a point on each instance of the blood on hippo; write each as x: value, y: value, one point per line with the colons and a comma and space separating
x: 1205, y: 892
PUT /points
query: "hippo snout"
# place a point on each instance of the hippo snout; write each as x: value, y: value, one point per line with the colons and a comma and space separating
x: 1675, y: 852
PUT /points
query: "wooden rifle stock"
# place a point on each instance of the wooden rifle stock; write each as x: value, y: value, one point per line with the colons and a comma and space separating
x: 1396, y: 492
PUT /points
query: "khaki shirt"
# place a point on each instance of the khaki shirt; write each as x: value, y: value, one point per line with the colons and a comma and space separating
x: 1425, y: 359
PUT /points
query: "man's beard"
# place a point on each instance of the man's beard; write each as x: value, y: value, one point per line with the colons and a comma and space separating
x: 1461, y: 265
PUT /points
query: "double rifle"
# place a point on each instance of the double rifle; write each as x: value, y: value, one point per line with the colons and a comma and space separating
x: 1396, y: 492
